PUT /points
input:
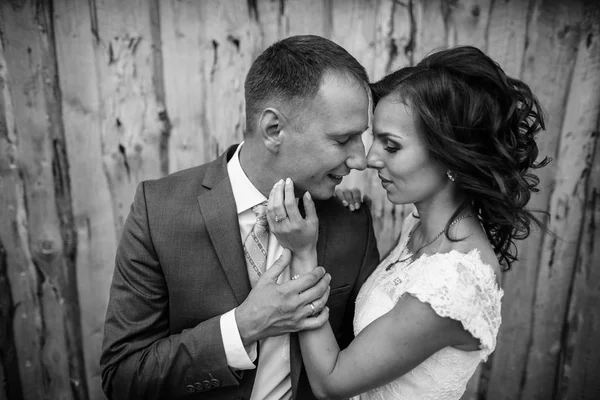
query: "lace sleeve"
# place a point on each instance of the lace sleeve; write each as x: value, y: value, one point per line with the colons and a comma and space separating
x: 460, y: 286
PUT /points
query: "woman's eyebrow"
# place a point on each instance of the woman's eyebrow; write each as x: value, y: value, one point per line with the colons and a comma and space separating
x: 388, y: 134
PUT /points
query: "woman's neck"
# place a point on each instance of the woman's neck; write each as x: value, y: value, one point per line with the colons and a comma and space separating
x: 435, y: 214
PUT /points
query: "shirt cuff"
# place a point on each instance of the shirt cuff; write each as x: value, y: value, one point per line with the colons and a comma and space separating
x: 237, y: 355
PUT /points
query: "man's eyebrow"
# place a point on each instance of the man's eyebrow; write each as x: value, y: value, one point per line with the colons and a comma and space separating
x: 340, y: 134
x: 352, y: 133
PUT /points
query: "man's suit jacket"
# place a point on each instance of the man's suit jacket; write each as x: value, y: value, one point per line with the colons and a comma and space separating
x: 180, y: 266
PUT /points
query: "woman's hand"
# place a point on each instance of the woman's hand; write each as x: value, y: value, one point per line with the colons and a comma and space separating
x: 291, y: 230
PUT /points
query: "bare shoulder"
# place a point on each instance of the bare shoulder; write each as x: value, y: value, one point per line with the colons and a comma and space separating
x: 473, y: 237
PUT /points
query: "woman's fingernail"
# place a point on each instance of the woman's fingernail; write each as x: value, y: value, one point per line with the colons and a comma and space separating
x: 351, y: 207
x: 357, y: 205
x: 288, y: 181
x: 345, y: 203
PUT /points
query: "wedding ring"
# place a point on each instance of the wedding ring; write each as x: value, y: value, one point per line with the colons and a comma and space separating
x: 313, y: 308
x: 279, y: 219
x: 295, y: 277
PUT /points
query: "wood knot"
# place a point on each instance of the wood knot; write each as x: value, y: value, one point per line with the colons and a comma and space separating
x: 47, y: 249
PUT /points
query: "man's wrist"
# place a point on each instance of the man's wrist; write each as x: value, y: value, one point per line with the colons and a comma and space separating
x: 239, y: 357
x: 246, y: 329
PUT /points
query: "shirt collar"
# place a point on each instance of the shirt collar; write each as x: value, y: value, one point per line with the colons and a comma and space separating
x: 246, y: 195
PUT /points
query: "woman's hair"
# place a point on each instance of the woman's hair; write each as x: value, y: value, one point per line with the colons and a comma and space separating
x: 481, y: 125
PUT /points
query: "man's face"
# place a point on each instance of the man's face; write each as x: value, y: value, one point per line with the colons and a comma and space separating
x: 321, y: 149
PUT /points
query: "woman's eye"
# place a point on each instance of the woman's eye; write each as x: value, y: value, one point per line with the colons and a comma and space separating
x: 390, y: 146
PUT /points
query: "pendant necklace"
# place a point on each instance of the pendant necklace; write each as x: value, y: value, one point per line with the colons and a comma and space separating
x: 436, y: 237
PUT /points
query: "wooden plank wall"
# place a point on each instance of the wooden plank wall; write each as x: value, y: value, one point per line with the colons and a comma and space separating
x: 97, y: 95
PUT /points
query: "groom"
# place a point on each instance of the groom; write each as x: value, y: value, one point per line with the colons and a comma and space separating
x: 197, y: 309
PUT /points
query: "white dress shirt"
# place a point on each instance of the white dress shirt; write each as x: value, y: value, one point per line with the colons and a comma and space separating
x: 273, y: 375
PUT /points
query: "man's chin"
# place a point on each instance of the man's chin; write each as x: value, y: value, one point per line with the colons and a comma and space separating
x: 323, y: 193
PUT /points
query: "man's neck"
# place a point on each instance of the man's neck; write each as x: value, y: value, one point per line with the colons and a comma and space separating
x: 252, y: 161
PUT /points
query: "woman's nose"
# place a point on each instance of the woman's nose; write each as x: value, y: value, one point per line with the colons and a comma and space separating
x: 373, y: 159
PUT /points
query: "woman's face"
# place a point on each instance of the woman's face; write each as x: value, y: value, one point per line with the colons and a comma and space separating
x: 407, y: 171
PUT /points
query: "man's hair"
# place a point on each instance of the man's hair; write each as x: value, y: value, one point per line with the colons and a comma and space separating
x: 290, y: 72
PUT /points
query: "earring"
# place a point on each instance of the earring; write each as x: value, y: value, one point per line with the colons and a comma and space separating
x: 451, y: 175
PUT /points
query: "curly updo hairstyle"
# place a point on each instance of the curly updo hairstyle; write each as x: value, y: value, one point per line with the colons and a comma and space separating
x: 480, y: 124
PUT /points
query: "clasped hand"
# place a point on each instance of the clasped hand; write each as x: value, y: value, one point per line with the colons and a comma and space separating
x: 294, y: 232
x: 272, y: 308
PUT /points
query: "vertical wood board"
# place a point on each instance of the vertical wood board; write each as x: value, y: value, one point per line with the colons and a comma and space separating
x: 549, y: 44
x: 92, y: 209
x: 132, y: 128
x: 559, y: 253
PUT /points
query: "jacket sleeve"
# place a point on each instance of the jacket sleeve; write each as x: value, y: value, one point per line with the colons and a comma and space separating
x: 370, y: 260
x: 140, y: 358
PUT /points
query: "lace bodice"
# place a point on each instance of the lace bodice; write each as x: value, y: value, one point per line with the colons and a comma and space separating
x: 456, y: 285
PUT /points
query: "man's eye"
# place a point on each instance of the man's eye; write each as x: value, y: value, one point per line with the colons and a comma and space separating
x: 344, y: 141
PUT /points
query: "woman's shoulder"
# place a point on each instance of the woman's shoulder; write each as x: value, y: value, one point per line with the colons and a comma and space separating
x: 465, y: 264
x: 470, y: 259
x: 462, y: 286
x: 459, y: 261
x: 472, y: 247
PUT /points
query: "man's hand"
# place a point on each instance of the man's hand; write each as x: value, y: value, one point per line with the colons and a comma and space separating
x: 273, y: 309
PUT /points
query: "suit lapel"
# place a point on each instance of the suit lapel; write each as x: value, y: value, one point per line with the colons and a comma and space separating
x: 295, y: 354
x: 219, y: 212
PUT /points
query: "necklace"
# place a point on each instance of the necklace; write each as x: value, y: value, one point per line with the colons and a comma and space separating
x: 436, y: 237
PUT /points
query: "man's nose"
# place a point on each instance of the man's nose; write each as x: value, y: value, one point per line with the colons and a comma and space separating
x: 357, y: 159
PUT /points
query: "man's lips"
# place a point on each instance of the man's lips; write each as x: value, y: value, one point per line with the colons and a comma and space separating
x: 337, y: 177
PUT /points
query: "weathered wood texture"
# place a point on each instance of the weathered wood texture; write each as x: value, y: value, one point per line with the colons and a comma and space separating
x: 37, y: 226
x: 93, y: 208
x: 553, y: 34
x: 582, y: 329
x: 559, y: 257
x: 97, y: 95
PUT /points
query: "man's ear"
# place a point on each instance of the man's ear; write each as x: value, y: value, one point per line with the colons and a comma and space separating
x: 270, y: 125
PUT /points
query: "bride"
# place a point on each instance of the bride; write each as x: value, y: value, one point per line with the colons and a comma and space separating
x: 455, y: 137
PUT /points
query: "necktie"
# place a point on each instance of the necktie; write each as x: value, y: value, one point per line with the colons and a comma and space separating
x: 257, y: 243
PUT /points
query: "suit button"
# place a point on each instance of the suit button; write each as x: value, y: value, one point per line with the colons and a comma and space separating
x: 198, y: 386
x: 190, y: 388
x: 206, y: 384
x: 215, y: 382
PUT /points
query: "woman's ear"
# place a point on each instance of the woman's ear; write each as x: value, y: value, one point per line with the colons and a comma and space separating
x: 270, y: 125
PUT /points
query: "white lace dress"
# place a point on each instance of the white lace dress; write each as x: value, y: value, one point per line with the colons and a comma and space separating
x: 456, y: 285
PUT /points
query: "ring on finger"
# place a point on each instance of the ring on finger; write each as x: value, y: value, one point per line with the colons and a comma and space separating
x: 279, y: 219
x: 314, y: 310
x: 295, y: 277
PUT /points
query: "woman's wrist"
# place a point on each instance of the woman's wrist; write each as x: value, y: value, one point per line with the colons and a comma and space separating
x: 306, y: 255
x: 306, y: 260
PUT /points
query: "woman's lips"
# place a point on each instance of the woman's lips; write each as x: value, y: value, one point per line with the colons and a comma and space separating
x: 385, y: 182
